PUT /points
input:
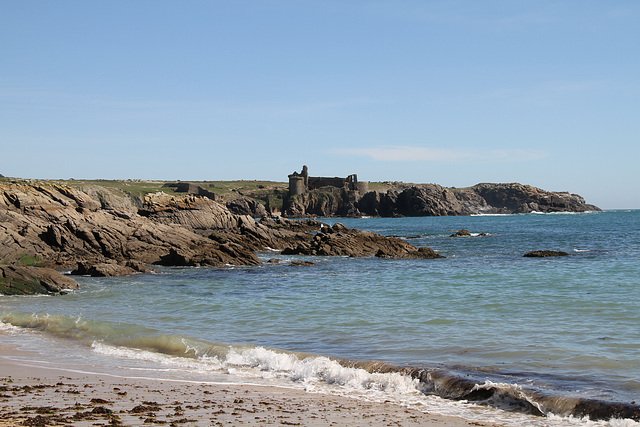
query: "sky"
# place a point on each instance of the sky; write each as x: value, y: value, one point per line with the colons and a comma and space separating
x: 545, y: 93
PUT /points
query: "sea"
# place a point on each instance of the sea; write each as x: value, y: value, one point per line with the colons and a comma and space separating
x: 484, y: 334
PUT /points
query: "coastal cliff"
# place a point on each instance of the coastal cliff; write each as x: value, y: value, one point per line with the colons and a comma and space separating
x: 48, y: 224
x: 433, y: 200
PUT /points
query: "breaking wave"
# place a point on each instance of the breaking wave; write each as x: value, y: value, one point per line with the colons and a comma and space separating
x: 315, y: 372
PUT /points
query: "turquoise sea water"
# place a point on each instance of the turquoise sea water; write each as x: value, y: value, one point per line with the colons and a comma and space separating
x: 567, y: 327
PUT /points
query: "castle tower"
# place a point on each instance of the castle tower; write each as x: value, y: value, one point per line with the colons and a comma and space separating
x: 296, y: 185
x: 305, y: 175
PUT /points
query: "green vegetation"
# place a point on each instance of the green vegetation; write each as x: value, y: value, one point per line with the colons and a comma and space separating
x: 226, y: 189
x: 381, y: 186
x: 21, y: 287
x: 31, y: 260
x: 137, y: 188
x: 22, y: 259
x: 276, y: 200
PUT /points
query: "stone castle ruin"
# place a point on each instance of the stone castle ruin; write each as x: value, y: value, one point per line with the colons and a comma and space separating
x: 300, y: 183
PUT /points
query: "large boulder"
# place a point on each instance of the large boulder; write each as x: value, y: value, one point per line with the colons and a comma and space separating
x: 247, y: 206
x: 26, y: 280
x: 61, y: 226
x: 339, y: 240
x: 105, y: 269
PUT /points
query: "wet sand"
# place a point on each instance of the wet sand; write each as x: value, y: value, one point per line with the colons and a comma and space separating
x: 37, y: 396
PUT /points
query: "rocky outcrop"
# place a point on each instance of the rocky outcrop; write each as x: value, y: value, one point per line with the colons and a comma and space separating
x: 63, y: 227
x: 27, y: 280
x: 435, y: 200
x: 96, y: 235
x: 247, y: 206
x: 323, y: 202
x: 518, y: 198
x: 339, y: 240
x: 106, y: 269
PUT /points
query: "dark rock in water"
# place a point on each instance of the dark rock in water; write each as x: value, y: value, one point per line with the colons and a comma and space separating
x: 274, y: 261
x: 544, y: 254
x: 26, y: 280
x: 339, y: 240
x: 421, y: 253
x: 106, y: 269
x: 466, y: 233
x: 297, y: 263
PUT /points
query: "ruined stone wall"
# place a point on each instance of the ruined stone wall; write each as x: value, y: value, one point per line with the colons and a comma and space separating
x: 320, y: 181
x: 300, y: 183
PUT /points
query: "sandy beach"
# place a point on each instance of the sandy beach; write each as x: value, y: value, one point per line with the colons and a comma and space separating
x: 37, y: 396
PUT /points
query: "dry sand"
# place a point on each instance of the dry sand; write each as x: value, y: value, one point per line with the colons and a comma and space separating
x: 41, y: 397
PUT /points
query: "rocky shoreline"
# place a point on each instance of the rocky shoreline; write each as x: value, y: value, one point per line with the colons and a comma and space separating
x: 96, y: 231
x: 51, y: 225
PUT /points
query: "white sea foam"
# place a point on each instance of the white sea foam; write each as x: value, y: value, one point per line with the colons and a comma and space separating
x: 8, y: 328
x: 324, y: 375
x: 492, y: 214
x: 316, y: 370
x: 204, y: 364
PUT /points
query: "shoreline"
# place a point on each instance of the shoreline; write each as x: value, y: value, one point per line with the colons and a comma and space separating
x: 36, y: 394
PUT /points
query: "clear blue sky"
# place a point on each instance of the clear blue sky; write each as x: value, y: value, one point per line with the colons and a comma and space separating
x: 545, y: 93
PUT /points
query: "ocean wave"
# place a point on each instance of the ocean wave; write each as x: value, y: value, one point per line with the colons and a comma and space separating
x: 404, y: 384
x: 317, y: 372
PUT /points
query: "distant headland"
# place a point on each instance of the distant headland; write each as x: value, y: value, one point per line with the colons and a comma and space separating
x: 347, y: 197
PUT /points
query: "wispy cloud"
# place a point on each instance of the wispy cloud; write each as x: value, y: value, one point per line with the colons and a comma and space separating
x: 398, y: 153
x: 30, y: 99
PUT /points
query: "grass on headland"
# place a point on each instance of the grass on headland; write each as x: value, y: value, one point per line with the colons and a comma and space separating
x: 139, y: 188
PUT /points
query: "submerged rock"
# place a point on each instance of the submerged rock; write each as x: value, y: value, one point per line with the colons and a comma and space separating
x: 420, y: 253
x: 544, y: 254
x: 297, y: 263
